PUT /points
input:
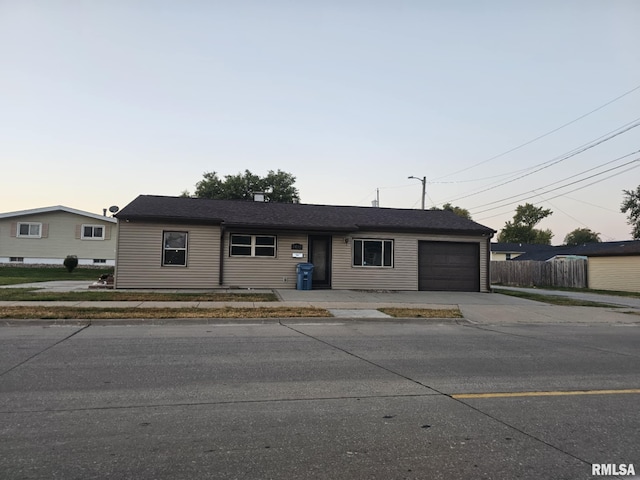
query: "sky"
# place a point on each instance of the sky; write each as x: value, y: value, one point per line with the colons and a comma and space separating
x: 494, y: 103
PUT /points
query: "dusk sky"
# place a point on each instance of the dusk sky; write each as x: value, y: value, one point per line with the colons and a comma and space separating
x: 496, y: 103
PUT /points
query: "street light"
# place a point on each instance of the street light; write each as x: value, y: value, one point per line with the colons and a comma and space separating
x: 424, y: 187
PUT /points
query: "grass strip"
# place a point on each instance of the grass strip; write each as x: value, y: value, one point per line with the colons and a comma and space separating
x: 15, y: 275
x: 422, y: 312
x: 554, y: 299
x: 30, y: 294
x: 617, y: 293
x: 78, y: 313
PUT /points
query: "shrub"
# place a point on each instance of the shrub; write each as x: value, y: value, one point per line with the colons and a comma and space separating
x: 70, y: 263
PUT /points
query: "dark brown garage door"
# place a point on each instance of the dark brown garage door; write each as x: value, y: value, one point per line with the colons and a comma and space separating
x: 449, y: 266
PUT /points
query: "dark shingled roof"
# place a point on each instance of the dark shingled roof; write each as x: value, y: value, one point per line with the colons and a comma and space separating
x: 293, y: 216
x: 546, y: 252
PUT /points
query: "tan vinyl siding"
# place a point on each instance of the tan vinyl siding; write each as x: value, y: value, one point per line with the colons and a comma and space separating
x: 502, y: 256
x: 139, y: 261
x: 260, y: 272
x: 615, y: 273
x: 404, y: 274
x: 58, y: 238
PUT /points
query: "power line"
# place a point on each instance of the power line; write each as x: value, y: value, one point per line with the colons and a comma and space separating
x: 570, y: 191
x: 592, y: 204
x: 564, y: 186
x: 543, y: 135
x: 554, y: 161
x: 556, y: 208
x: 558, y: 181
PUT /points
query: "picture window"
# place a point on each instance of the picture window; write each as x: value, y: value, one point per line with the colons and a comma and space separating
x: 372, y: 253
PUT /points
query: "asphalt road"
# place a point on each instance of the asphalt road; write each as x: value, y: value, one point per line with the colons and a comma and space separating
x: 328, y: 401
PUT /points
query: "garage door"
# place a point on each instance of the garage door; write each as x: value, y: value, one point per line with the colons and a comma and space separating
x: 449, y: 266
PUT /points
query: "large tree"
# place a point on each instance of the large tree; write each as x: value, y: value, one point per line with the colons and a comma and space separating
x: 521, y: 228
x: 631, y: 206
x: 277, y: 186
x: 581, y: 236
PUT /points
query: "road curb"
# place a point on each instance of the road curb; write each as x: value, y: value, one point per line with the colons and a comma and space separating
x: 224, y: 321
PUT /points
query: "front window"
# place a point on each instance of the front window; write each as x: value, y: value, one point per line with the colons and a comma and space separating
x: 30, y: 230
x: 93, y: 232
x: 372, y: 253
x: 174, y: 249
x: 253, y: 246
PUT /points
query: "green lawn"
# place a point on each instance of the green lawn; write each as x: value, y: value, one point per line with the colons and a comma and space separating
x: 30, y: 294
x: 15, y: 275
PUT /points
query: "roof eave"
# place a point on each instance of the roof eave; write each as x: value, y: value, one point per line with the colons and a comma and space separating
x: 168, y: 218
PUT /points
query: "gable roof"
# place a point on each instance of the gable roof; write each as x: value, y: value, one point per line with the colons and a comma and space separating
x: 57, y: 208
x: 296, y: 216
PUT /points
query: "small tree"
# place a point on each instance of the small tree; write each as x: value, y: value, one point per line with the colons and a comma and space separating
x: 581, y: 236
x: 631, y: 206
x: 70, y: 263
x: 521, y: 229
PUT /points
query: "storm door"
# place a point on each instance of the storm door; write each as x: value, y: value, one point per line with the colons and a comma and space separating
x: 320, y: 256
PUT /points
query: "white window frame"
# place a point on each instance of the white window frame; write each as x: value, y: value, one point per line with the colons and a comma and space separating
x: 29, y: 235
x: 165, y: 247
x: 389, y: 243
x: 93, y: 228
x: 253, y: 246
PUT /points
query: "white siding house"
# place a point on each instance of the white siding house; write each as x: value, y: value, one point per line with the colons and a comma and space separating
x: 48, y: 235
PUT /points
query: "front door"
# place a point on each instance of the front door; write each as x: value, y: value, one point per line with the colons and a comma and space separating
x: 320, y: 256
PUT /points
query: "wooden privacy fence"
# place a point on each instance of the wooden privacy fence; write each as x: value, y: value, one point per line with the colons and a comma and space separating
x: 530, y: 273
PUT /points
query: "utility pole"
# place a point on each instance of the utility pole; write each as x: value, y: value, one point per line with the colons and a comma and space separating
x: 424, y: 187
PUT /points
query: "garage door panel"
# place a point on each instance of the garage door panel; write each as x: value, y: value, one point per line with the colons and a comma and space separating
x: 452, y: 266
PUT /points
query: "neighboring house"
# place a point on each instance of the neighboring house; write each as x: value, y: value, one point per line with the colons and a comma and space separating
x: 178, y: 242
x: 546, y: 253
x: 47, y: 235
x: 610, y: 265
x: 501, y: 251
x: 615, y: 266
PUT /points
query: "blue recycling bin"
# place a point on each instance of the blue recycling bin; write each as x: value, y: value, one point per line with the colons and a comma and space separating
x: 304, y: 272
